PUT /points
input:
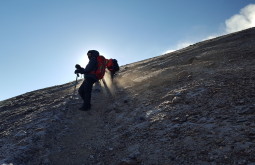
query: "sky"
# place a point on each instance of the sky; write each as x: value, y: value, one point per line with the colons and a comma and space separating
x: 42, y: 40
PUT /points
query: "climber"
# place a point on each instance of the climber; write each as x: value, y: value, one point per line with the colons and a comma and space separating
x: 113, y: 66
x: 93, y: 72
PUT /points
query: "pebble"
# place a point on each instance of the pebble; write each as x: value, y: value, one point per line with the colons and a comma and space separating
x: 176, y: 100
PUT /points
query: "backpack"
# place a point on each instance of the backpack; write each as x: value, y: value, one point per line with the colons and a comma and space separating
x: 101, y: 65
x: 112, y: 65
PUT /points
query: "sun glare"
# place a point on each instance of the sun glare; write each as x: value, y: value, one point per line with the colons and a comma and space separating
x: 83, y: 60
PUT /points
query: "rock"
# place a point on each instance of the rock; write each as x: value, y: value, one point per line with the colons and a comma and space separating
x: 240, y: 102
x: 176, y: 100
x: 247, y: 111
x: 128, y: 161
x: 40, y: 129
x: 20, y: 134
x: 141, y: 118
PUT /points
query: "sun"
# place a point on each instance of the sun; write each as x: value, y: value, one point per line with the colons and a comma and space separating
x: 83, y: 60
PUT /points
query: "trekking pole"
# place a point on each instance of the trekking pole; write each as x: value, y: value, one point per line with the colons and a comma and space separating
x: 76, y: 82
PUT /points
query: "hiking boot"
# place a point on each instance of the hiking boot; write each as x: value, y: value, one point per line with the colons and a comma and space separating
x: 85, y: 108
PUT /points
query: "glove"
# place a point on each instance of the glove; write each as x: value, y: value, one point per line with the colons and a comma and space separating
x: 77, y: 66
x: 77, y: 71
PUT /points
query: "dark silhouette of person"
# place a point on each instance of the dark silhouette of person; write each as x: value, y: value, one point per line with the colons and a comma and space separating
x: 89, y: 79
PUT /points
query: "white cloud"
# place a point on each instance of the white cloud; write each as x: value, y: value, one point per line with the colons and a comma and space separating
x: 211, y: 37
x: 169, y: 51
x: 179, y: 46
x: 244, y: 20
x: 184, y: 44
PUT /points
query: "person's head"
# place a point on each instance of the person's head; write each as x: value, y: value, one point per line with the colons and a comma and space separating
x: 92, y: 53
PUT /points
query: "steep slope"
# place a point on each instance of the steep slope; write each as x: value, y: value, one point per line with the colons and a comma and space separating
x: 192, y: 106
x: 27, y: 119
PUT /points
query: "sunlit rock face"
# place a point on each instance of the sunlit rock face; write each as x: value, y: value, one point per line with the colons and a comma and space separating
x: 192, y: 106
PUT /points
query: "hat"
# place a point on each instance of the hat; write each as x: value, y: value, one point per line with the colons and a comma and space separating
x: 93, y: 53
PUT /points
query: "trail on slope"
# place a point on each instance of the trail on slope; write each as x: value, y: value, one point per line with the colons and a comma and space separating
x: 86, y: 139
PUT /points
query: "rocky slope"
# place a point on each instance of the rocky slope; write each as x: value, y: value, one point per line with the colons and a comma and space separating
x: 192, y: 106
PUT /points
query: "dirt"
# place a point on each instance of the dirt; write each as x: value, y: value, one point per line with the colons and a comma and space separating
x: 87, y: 135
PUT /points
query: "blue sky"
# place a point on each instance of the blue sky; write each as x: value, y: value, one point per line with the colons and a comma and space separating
x: 42, y: 40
